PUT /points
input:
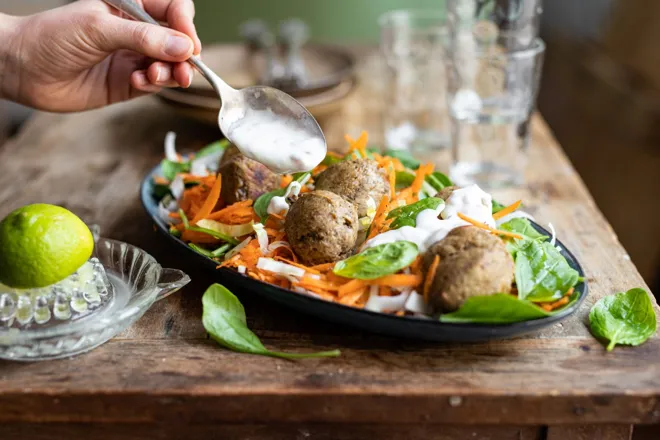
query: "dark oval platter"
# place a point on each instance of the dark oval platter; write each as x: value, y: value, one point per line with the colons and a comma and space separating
x: 398, y: 326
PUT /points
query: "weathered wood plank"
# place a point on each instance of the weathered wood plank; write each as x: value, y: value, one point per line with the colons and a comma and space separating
x: 590, y: 432
x: 178, y: 431
x: 526, y: 381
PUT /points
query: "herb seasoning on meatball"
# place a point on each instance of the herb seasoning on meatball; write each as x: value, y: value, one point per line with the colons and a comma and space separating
x: 473, y: 262
x: 321, y: 227
x: 244, y: 178
x: 357, y: 181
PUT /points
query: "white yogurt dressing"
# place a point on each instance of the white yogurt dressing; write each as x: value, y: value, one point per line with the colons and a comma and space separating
x: 471, y: 201
x: 263, y: 136
x: 278, y: 204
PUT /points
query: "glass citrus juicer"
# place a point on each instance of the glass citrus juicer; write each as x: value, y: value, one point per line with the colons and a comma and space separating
x: 101, y: 299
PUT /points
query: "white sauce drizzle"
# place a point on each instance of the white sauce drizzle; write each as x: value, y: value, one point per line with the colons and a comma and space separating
x: 263, y: 136
x: 471, y: 201
x: 278, y: 204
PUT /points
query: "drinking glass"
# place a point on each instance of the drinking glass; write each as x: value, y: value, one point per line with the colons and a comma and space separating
x: 413, y: 47
x: 512, y: 24
x: 491, y: 98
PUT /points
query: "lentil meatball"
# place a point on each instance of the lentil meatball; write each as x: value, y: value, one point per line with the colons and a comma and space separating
x: 355, y: 180
x: 244, y: 178
x: 445, y: 192
x: 321, y: 227
x: 472, y: 263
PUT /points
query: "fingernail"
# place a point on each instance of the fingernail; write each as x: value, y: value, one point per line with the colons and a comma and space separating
x: 176, y: 46
x: 159, y: 74
x: 141, y: 78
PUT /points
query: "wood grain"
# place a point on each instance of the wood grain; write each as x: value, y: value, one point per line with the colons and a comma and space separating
x: 265, y: 432
x: 590, y: 432
x: 163, y: 368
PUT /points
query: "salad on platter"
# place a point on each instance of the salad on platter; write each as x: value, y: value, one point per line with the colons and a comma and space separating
x: 368, y: 229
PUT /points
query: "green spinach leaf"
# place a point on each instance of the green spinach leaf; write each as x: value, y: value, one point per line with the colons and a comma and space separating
x: 523, y: 227
x: 171, y: 169
x: 262, y: 202
x: 159, y: 191
x: 438, y: 180
x: 331, y: 160
x: 213, y: 148
x: 542, y: 273
x: 378, y: 261
x: 224, y: 319
x: 403, y: 179
x: 406, y: 215
x: 407, y: 159
x: 500, y: 308
x: 624, y: 318
x: 497, y: 206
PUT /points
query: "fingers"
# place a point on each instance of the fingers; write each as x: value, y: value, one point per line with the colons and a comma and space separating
x: 178, y: 14
x: 149, y: 40
x: 159, y: 75
x: 168, y: 75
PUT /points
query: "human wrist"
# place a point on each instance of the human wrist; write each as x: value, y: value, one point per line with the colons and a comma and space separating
x: 9, y: 56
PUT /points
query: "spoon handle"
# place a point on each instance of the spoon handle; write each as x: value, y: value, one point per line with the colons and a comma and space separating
x: 132, y: 9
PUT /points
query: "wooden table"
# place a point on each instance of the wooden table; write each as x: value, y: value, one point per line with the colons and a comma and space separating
x: 163, y: 378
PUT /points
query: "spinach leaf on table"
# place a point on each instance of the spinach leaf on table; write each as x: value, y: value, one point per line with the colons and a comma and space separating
x: 542, y: 273
x: 224, y: 319
x: 406, y: 215
x: 378, y: 261
x: 624, y: 318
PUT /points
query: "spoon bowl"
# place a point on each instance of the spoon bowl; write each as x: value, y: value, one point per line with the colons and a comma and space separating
x: 266, y: 124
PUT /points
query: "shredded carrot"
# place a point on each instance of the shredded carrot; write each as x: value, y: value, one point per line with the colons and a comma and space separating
x: 555, y: 305
x: 569, y: 292
x: 397, y: 280
x: 379, y: 218
x: 323, y: 267
x: 360, y: 144
x: 392, y: 178
x: 508, y: 210
x: 159, y: 180
x: 353, y: 297
x: 295, y: 263
x: 286, y: 179
x: 420, y: 175
x: 210, y: 201
x: 430, y: 275
x: 351, y: 286
x: 416, y: 265
x: 488, y: 228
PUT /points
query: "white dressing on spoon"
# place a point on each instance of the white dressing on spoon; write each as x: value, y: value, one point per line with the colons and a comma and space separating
x: 276, y: 142
x: 471, y: 201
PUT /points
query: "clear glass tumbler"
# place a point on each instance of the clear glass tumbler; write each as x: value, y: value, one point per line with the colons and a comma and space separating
x: 491, y: 98
x: 413, y: 45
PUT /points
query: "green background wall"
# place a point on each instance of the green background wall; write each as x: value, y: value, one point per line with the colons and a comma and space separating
x: 330, y: 20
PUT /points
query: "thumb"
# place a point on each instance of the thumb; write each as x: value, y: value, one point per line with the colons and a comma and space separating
x: 153, y: 41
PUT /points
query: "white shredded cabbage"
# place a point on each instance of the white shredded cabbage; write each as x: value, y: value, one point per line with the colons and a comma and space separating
x: 177, y: 187
x: 377, y: 303
x: 237, y: 248
x: 241, y: 269
x: 279, y: 268
x: 364, y: 223
x: 553, y: 240
x: 198, y: 168
x: 262, y: 237
x: 371, y: 207
x: 416, y: 304
x: 170, y: 148
x: 278, y: 244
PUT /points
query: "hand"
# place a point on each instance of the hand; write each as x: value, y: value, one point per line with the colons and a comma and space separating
x: 86, y: 54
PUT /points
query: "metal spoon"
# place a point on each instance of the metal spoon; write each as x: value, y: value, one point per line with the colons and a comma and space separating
x: 239, y: 105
